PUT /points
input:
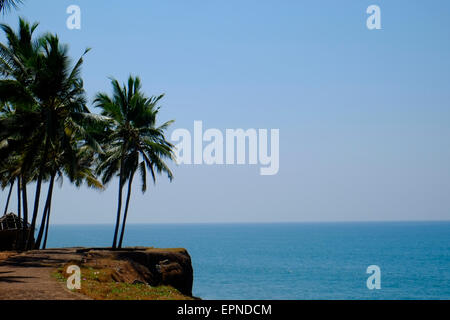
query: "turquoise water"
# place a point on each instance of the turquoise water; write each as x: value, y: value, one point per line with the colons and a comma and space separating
x: 296, y: 261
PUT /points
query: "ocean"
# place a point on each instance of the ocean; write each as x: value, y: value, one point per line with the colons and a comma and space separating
x: 312, y: 261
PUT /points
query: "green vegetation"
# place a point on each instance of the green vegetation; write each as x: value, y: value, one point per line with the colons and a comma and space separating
x: 47, y: 131
x: 134, y: 142
x: 98, y: 284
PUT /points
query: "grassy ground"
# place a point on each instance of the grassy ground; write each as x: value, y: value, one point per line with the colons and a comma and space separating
x: 99, y: 284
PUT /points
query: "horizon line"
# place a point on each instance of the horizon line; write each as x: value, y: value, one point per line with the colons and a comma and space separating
x: 250, y: 222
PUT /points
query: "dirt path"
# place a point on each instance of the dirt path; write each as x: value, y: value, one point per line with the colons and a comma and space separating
x: 28, y: 276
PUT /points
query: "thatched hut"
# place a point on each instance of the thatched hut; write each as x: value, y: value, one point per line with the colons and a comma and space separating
x: 12, y: 230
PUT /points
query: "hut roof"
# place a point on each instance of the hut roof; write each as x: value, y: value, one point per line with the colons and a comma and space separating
x: 11, y: 221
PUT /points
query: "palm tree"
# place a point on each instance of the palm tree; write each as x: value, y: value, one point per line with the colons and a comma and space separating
x: 10, y: 171
x: 10, y: 164
x: 7, y: 169
x: 17, y: 123
x: 133, y: 142
x: 77, y: 166
x: 50, y: 106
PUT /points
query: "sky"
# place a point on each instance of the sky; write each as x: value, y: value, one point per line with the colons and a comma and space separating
x: 364, y: 115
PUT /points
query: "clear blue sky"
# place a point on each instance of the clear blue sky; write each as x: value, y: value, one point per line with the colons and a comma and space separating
x: 364, y: 116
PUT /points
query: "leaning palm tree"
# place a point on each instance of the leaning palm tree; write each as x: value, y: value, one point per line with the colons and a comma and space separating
x: 134, y: 142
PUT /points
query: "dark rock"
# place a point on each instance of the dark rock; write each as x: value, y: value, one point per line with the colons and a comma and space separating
x: 156, y: 267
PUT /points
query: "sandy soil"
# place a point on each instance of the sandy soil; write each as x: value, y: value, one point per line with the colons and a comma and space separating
x: 29, y: 276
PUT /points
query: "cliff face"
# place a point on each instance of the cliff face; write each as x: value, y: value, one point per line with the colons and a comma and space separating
x: 156, y: 267
x: 104, y: 269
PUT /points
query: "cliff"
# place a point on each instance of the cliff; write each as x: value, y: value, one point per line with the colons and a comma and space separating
x: 132, y: 273
x: 156, y: 267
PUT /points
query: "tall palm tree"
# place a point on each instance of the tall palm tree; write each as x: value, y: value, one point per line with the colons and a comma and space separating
x: 50, y: 105
x: 133, y: 142
x: 17, y: 122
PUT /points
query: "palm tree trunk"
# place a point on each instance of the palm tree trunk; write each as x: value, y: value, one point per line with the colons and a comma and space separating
x: 119, y: 205
x: 119, y: 209
x: 37, y: 194
x: 35, y: 210
x: 25, y: 210
x: 19, y: 211
x: 24, y: 200
x: 44, y: 246
x: 45, y: 213
x: 9, y: 197
x: 130, y: 182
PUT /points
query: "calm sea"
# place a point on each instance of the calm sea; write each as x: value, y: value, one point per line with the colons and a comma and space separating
x: 296, y: 261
